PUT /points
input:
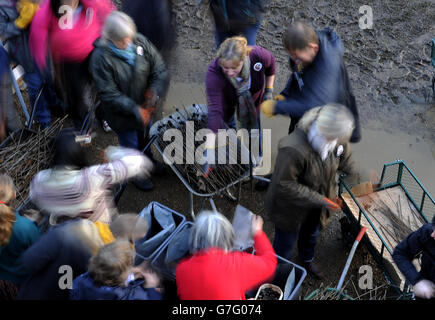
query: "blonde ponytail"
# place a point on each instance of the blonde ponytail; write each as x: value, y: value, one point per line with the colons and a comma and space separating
x: 7, y: 216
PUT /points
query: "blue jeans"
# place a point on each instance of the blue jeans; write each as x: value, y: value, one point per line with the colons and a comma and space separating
x: 249, y: 32
x: 135, y: 139
x: 34, y: 83
x: 284, y: 242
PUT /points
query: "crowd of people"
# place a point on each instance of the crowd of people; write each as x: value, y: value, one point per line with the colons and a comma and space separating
x: 76, y: 245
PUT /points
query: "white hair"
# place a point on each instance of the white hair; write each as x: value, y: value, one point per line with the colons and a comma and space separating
x: 118, y: 26
x: 211, y: 230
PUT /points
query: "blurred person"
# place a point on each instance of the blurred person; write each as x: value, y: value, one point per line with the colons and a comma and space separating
x: 112, y: 276
x: 237, y: 18
x: 418, y: 242
x: 302, y: 197
x: 130, y: 78
x: 215, y: 271
x: 15, y: 20
x: 58, y: 257
x: 67, y: 36
x: 9, y: 119
x: 17, y: 233
x: 71, y: 187
x: 318, y: 75
x: 237, y: 81
x: 153, y: 19
x: 129, y: 226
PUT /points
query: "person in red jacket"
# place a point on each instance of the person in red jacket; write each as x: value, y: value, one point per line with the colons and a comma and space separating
x: 215, y: 271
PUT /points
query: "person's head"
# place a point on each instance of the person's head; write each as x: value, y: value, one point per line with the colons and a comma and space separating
x: 120, y: 29
x: 231, y: 55
x: 7, y: 216
x: 112, y: 264
x: 301, y: 42
x: 129, y: 226
x: 68, y: 152
x: 211, y: 230
x: 333, y: 120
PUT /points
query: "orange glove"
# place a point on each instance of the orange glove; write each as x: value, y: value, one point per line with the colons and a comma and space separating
x: 331, y: 205
x: 150, y: 98
x: 146, y: 114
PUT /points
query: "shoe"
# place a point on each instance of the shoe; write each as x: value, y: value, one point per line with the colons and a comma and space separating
x: 313, y: 270
x: 143, y: 184
x: 263, y: 185
x: 106, y: 126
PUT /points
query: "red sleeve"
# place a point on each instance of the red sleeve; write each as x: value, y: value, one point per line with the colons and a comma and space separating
x: 258, y: 268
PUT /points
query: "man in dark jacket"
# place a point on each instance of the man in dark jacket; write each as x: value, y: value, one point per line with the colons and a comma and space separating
x: 237, y: 17
x: 130, y: 77
x: 318, y: 75
x: 301, y: 195
x: 421, y: 242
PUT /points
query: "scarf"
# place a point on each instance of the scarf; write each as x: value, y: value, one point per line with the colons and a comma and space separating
x: 128, y: 55
x: 322, y: 146
x: 246, y: 110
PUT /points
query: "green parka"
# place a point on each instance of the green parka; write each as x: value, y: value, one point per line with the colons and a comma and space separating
x: 121, y: 87
x: 301, y: 180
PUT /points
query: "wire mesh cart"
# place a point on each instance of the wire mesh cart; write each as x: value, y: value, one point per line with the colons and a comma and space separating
x: 222, y: 177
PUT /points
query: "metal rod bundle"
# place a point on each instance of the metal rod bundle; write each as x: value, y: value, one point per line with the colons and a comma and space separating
x: 26, y: 152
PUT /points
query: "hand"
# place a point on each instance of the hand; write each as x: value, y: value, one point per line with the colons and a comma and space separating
x: 279, y: 97
x: 146, y: 114
x: 267, y: 94
x: 424, y: 289
x: 256, y: 224
x: 150, y: 99
x: 152, y: 279
x: 331, y: 205
x: 268, y: 107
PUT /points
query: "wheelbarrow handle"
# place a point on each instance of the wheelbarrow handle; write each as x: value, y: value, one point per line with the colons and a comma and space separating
x: 349, y: 259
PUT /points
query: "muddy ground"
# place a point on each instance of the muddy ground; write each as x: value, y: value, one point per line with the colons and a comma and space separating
x: 390, y: 72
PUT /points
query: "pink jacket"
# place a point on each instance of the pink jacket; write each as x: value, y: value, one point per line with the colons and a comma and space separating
x: 66, y: 44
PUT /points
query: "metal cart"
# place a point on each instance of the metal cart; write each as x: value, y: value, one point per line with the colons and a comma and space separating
x: 404, y: 189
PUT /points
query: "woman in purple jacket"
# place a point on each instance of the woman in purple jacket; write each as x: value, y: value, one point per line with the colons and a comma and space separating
x: 237, y: 81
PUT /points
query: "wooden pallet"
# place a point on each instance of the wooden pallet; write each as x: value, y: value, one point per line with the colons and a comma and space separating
x: 397, y: 202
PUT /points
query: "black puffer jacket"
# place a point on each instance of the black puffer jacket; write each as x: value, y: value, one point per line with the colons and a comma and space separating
x: 121, y: 87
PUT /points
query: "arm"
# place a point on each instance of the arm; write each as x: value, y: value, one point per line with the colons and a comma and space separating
x: 257, y: 268
x: 288, y: 190
x: 406, y: 251
x: 214, y: 88
x: 123, y: 164
x: 158, y: 78
x: 8, y: 29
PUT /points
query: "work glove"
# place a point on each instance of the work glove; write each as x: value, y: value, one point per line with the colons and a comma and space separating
x: 151, y: 99
x: 331, y: 205
x: 267, y: 94
x: 146, y: 114
x: 268, y: 108
x: 279, y: 97
x: 424, y: 289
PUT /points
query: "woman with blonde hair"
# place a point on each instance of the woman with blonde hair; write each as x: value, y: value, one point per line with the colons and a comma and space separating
x: 17, y: 233
x: 301, y: 196
x: 215, y: 271
x: 112, y: 276
x: 237, y: 81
